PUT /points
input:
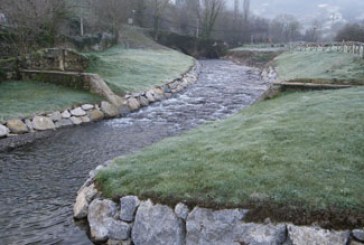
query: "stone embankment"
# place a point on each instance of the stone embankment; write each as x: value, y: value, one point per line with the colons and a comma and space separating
x: 133, y: 221
x: 114, y: 107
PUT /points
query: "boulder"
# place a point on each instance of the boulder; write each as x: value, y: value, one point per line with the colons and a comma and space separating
x: 314, y: 235
x: 181, y: 211
x: 17, y: 126
x: 76, y: 120
x: 256, y: 234
x: 85, y: 119
x: 78, y: 112
x: 143, y: 101
x: 128, y: 207
x: 29, y: 125
x: 87, y: 107
x: 42, y: 123
x: 84, y: 197
x: 55, y: 116
x: 102, y: 224
x: 63, y: 123
x: 95, y: 115
x: 157, y: 224
x: 109, y: 110
x: 150, y: 96
x: 358, y: 234
x: 66, y: 114
x: 205, y: 226
x: 4, y: 131
x: 133, y: 104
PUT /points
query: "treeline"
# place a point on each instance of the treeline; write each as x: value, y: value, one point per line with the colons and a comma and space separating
x: 32, y: 23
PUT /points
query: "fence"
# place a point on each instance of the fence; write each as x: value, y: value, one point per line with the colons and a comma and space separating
x: 355, y: 48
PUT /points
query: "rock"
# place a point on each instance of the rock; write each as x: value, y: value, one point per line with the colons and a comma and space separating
x: 181, y: 211
x: 205, y: 226
x: 63, y: 123
x: 87, y: 107
x: 157, y: 224
x: 143, y: 101
x: 133, y: 104
x: 358, y: 234
x: 95, y: 115
x: 84, y: 197
x: 124, y: 109
x: 29, y: 125
x: 116, y: 242
x: 150, y: 97
x: 355, y: 243
x: 256, y: 234
x: 102, y: 224
x: 314, y: 235
x: 4, y: 131
x: 66, y: 114
x: 128, y: 207
x: 85, y: 119
x: 76, y: 120
x: 43, y: 123
x: 109, y: 110
x: 55, y: 116
x: 17, y: 126
x: 78, y: 112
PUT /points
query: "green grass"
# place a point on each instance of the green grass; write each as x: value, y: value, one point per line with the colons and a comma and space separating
x: 321, y: 67
x: 305, y: 148
x: 135, y: 70
x: 23, y: 98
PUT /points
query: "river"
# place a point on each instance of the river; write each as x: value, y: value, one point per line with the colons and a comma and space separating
x: 39, y: 181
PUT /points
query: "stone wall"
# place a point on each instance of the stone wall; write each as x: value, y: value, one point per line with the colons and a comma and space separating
x: 132, y: 221
x: 115, y: 107
x: 54, y: 59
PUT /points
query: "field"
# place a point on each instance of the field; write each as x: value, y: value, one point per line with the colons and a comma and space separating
x: 135, y: 70
x: 301, y: 150
x: 24, y: 98
x: 321, y: 67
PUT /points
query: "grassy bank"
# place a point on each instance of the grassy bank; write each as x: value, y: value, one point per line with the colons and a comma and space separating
x: 321, y: 67
x: 135, y: 70
x: 300, y: 148
x: 23, y: 98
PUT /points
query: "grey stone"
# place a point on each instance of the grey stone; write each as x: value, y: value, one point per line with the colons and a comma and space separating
x: 124, y: 109
x: 157, y: 224
x: 116, y: 242
x: 143, y: 101
x: 83, y: 199
x: 55, y: 116
x: 128, y: 207
x: 63, y: 123
x: 181, y: 211
x: 102, y: 224
x: 95, y: 115
x: 109, y: 110
x: 66, y: 114
x: 205, y: 226
x: 78, y: 112
x: 87, y: 107
x: 355, y: 243
x: 4, y: 131
x: 258, y: 234
x: 358, y: 234
x: 29, y: 125
x: 133, y: 104
x: 42, y: 123
x: 85, y: 119
x: 150, y: 96
x: 16, y: 126
x: 314, y: 235
x: 76, y: 120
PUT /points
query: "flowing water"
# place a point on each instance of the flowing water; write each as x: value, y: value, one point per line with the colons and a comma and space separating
x: 39, y: 181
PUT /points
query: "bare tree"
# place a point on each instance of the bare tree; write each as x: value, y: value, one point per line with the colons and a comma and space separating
x: 210, y: 11
x: 158, y: 7
x: 35, y: 22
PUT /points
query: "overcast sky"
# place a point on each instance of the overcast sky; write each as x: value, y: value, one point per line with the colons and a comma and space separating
x: 306, y: 10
